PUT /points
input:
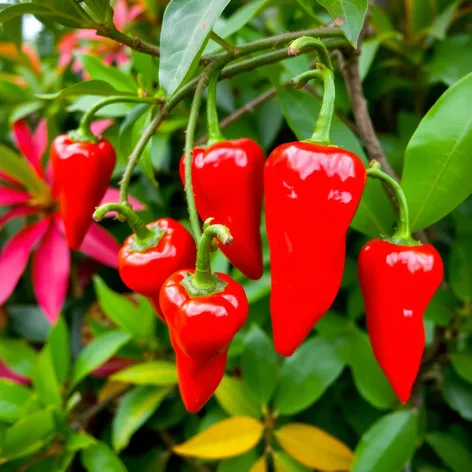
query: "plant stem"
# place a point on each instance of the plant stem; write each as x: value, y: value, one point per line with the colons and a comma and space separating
x: 306, y: 42
x: 214, y: 132
x: 229, y: 48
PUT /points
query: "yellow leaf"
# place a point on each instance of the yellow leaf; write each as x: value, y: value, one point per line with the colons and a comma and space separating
x: 228, y: 438
x: 259, y: 466
x: 314, y: 448
x: 110, y: 389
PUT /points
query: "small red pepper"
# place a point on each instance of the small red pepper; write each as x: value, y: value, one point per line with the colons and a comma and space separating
x: 312, y: 191
x: 398, y: 278
x: 82, y: 172
x: 227, y: 180
x: 204, y: 312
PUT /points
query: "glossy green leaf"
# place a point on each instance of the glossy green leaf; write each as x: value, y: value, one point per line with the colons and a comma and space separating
x: 135, y: 409
x: 145, y: 65
x: 149, y: 373
x: 351, y: 13
x: 388, y: 445
x: 462, y: 364
x: 185, y: 28
x: 98, y: 88
x: 369, y: 379
x: 235, y: 398
x: 455, y: 453
x: 259, y: 364
x: 76, y: 441
x: 18, y: 356
x: 14, y: 11
x: 460, y: 269
x: 304, y: 378
x: 375, y: 214
x: 98, y: 352
x: 13, y: 396
x: 45, y: 381
x: 457, y: 393
x: 100, y: 458
x: 59, y: 344
x: 436, y: 171
x: 100, y: 8
x: 28, y: 435
x: 285, y: 463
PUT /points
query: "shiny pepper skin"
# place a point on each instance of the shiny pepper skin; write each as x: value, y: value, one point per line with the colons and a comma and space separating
x: 144, y: 272
x: 397, y: 284
x: 311, y: 196
x: 82, y: 172
x: 227, y: 182
x: 202, y: 328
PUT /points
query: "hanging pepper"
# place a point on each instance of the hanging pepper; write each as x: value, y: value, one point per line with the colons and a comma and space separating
x: 227, y: 181
x: 398, y: 278
x: 82, y: 166
x: 312, y: 191
x: 153, y: 253
x: 204, y: 312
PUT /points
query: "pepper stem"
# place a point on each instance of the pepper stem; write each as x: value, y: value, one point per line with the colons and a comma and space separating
x: 402, y: 234
x: 214, y: 131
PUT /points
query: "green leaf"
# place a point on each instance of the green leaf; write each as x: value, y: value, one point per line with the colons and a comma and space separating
x: 375, y: 214
x: 235, y: 398
x: 285, y: 463
x: 304, y: 377
x: 90, y: 87
x: 239, y: 463
x: 29, y: 321
x: 28, y: 435
x: 457, y: 393
x: 388, y: 445
x: 368, y: 376
x: 18, y: 356
x: 100, y: 8
x: 145, y: 65
x: 185, y: 28
x: 13, y: 396
x: 442, y: 22
x: 351, y: 13
x: 462, y: 363
x: 145, y: 163
x: 149, y: 373
x: 454, y: 452
x: 45, y: 380
x: 17, y: 167
x: 259, y: 364
x: 368, y: 52
x: 100, y: 458
x: 58, y: 341
x: 76, y: 441
x: 98, y: 352
x: 436, y: 171
x: 460, y: 269
x: 116, y: 78
x: 134, y: 410
x: 128, y: 316
x: 257, y: 289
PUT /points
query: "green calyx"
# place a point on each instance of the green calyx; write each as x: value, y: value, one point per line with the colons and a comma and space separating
x: 193, y: 291
x: 151, y: 239
x: 83, y: 135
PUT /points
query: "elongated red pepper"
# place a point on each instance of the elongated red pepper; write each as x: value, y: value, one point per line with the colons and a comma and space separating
x: 82, y: 172
x: 204, y: 312
x: 228, y: 186
x: 398, y: 278
x: 312, y: 191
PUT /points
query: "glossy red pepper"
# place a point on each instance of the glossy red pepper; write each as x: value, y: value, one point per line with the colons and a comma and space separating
x: 82, y: 172
x: 397, y: 283
x: 311, y: 196
x: 228, y: 186
x: 145, y: 269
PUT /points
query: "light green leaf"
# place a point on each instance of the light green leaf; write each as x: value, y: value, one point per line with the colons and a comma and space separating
x: 59, y: 344
x: 134, y: 410
x: 13, y: 396
x: 149, y: 373
x: 18, y: 356
x: 45, y: 381
x: 100, y: 458
x: 98, y: 352
x: 388, y: 445
x: 454, y: 452
x: 235, y: 398
x: 98, y: 88
x: 285, y: 463
x: 76, y: 441
x: 442, y: 22
x: 437, y: 168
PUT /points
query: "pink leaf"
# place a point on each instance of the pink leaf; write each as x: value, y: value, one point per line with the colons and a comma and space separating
x: 14, y: 258
x: 51, y: 269
x: 100, y: 126
x: 113, y: 196
x: 7, y: 373
x: 120, y: 14
x: 134, y: 12
x: 40, y: 137
x: 89, y: 34
x: 6, y: 178
x: 27, y: 145
x: 100, y: 245
x: 16, y: 213
x: 9, y: 196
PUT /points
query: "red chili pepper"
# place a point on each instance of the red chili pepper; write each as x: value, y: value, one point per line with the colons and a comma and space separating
x: 398, y: 278
x: 228, y: 185
x: 82, y: 172
x: 204, y: 312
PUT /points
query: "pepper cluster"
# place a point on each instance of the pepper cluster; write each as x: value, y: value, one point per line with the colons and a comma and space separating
x: 307, y: 186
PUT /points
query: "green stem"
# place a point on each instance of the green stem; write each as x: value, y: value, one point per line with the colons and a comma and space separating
x: 402, y: 234
x: 307, y: 42
x: 229, y: 48
x: 322, y: 132
x: 214, y: 132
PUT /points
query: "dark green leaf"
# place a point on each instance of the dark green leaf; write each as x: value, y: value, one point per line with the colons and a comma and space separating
x: 442, y: 22
x: 18, y: 356
x: 457, y: 393
x: 460, y: 269
x: 185, y: 28
x: 239, y: 463
x: 259, y: 364
x: 100, y: 8
x: 388, y: 445
x: 58, y: 340
x: 285, y: 463
x: 145, y: 163
x: 235, y: 398
x: 441, y: 308
x: 13, y: 396
x: 98, y: 352
x: 45, y: 380
x: 29, y: 321
x: 436, y: 172
x: 462, y: 363
x: 304, y: 378
x: 100, y: 458
x: 454, y: 452
x: 98, y: 88
x: 257, y: 289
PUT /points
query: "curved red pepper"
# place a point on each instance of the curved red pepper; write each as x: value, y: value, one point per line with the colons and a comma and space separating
x: 397, y: 283
x: 144, y: 271
x: 311, y: 195
x: 227, y: 181
x: 82, y: 173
